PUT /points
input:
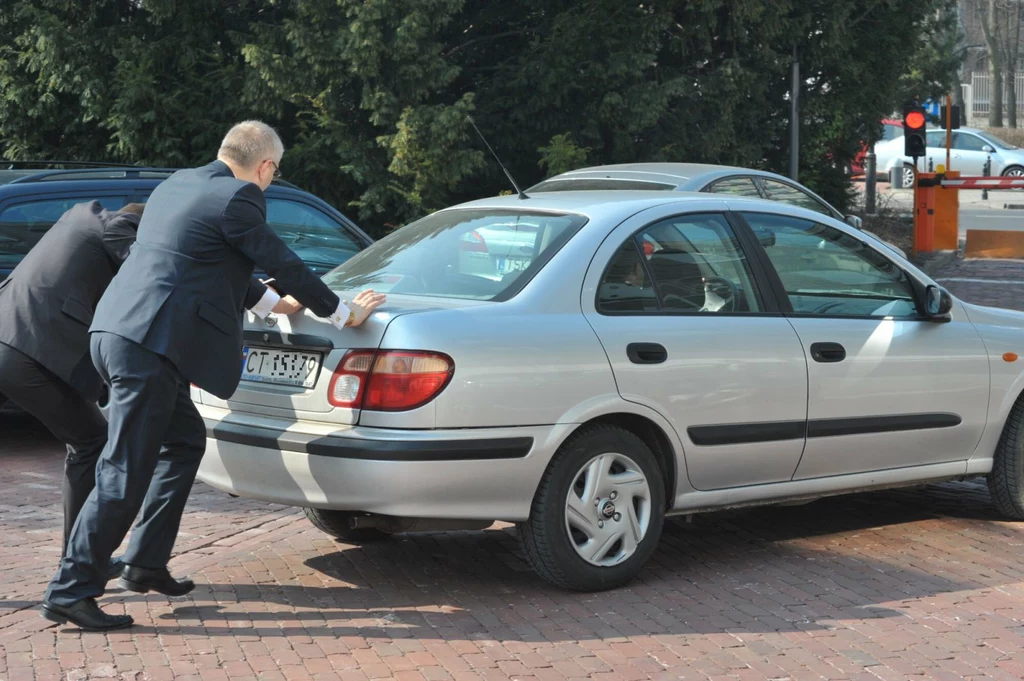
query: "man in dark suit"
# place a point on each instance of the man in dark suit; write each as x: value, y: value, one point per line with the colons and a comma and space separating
x: 173, y: 316
x: 46, y: 306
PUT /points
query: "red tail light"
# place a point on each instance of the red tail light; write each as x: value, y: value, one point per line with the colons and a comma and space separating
x: 389, y: 380
x: 473, y: 243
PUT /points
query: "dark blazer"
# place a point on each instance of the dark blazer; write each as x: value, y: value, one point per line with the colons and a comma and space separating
x: 182, y: 291
x: 47, y: 302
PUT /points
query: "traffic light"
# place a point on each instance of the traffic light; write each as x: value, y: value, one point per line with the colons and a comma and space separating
x: 914, y: 121
x: 955, y: 117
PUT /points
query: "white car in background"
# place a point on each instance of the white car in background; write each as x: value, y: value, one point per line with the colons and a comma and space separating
x: 970, y: 150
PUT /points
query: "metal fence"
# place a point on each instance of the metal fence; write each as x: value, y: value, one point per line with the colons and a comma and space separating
x: 978, y: 95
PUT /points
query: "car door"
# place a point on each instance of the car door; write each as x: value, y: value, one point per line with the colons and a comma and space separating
x: 675, y: 302
x: 968, y: 153
x: 886, y: 388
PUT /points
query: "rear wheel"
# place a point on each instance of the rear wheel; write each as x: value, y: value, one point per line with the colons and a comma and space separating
x: 338, y: 525
x: 598, y: 513
x: 1006, y: 481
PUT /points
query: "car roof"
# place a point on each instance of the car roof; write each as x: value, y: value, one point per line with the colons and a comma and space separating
x: 665, y: 172
x: 590, y: 202
x: 15, y: 180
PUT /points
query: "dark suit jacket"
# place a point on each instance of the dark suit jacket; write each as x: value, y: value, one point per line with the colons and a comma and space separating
x: 47, y: 303
x: 183, y: 289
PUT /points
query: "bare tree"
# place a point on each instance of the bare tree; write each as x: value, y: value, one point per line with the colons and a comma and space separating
x: 1014, y: 16
x: 991, y: 26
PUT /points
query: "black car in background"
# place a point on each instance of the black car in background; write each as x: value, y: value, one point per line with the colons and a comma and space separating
x: 34, y: 194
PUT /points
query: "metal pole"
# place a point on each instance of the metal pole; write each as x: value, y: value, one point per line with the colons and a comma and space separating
x: 869, y: 181
x: 949, y: 128
x: 985, y: 171
x: 794, y: 120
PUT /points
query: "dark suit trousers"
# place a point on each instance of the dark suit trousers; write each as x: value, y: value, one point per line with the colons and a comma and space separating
x: 157, y: 439
x: 71, y: 418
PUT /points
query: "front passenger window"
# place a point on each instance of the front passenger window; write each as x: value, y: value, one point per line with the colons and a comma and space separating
x: 784, y: 193
x: 828, y: 272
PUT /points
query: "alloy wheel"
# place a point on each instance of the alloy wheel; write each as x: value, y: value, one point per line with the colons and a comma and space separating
x: 608, y: 509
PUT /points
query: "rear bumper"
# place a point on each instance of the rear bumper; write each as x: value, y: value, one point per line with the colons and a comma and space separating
x: 479, y: 474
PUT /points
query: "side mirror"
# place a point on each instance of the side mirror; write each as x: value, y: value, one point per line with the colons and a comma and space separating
x: 854, y: 221
x: 988, y: 149
x: 938, y: 302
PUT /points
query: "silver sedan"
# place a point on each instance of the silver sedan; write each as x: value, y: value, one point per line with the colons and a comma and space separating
x: 653, y: 355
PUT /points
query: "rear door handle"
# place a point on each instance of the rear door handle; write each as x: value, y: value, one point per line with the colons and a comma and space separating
x: 646, y: 353
x: 827, y: 352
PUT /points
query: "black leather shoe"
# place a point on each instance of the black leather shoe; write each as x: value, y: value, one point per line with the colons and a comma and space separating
x: 115, y: 568
x: 86, y: 615
x: 144, y: 580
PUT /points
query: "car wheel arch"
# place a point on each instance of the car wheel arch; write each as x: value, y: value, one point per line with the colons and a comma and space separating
x: 653, y: 435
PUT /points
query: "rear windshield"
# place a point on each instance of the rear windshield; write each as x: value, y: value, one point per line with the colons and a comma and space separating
x: 600, y: 184
x: 471, y: 254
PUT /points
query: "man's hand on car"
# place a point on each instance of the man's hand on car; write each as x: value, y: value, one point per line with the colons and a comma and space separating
x: 363, y: 305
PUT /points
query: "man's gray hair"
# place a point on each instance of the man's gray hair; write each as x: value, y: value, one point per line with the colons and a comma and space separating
x: 249, y: 143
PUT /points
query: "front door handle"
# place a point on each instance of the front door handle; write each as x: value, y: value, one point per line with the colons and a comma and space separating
x: 827, y: 352
x: 646, y: 353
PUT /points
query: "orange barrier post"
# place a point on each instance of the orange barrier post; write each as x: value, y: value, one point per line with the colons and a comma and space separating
x: 947, y: 215
x: 924, y: 213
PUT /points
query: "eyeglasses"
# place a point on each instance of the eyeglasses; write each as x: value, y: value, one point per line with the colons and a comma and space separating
x: 277, y: 170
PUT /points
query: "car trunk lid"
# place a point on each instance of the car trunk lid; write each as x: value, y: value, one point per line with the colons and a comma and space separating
x: 287, y: 361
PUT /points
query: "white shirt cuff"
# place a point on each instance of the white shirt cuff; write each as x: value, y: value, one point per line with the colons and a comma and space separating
x: 340, y: 316
x: 266, y: 304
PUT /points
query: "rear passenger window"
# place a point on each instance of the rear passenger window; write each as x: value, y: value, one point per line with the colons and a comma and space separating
x: 685, y: 264
x: 737, y: 186
x: 22, y: 225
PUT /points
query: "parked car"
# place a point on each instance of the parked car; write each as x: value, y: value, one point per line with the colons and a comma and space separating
x: 696, y: 177
x: 693, y: 177
x: 970, y: 150
x: 33, y: 198
x: 653, y: 357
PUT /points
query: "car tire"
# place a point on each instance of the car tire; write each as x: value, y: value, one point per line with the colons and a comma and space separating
x: 1014, y: 171
x: 1006, y: 481
x: 552, y: 540
x: 336, y: 524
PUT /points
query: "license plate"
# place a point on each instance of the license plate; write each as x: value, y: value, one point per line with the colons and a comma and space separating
x: 280, y: 367
x: 506, y: 265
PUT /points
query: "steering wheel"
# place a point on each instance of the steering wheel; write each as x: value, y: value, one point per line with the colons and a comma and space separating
x: 721, y: 291
x: 679, y: 296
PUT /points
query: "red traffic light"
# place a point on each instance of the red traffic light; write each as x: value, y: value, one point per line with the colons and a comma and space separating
x: 914, y: 120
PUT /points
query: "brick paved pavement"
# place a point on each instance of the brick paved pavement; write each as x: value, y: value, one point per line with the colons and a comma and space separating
x: 915, y: 584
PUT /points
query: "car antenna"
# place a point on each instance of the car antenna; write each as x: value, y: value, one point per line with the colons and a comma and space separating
x: 522, y: 194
